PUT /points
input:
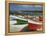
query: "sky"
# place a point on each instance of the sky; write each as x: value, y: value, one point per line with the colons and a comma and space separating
x: 14, y: 7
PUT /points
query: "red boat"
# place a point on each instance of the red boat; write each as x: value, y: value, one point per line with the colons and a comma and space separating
x: 33, y: 25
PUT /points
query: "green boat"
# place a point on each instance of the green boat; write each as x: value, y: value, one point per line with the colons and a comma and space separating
x: 21, y: 22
